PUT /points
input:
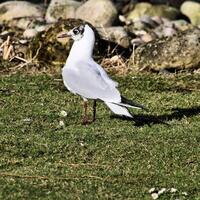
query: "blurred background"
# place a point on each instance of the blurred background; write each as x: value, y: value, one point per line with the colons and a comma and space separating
x: 122, y: 28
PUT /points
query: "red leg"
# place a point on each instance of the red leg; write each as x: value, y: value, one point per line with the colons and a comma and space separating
x: 94, y: 110
x: 85, y: 116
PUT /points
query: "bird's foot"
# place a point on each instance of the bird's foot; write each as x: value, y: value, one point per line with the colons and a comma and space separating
x: 93, y: 119
x: 85, y: 121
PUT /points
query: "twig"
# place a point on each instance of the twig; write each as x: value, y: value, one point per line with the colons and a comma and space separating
x: 8, y: 52
x: 19, y: 58
x: 26, y: 62
x: 84, y: 164
x: 48, y: 178
x: 7, y: 48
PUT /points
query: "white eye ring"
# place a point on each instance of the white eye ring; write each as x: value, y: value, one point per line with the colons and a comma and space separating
x: 76, y: 31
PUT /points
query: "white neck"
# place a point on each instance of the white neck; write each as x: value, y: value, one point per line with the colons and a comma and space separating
x: 83, y: 48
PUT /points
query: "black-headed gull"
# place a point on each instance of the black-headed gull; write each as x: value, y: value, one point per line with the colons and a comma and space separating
x: 84, y: 77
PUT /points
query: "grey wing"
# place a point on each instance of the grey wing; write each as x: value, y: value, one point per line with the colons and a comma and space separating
x: 88, y: 82
x: 104, y: 74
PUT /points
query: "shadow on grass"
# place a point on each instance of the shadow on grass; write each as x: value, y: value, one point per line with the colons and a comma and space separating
x: 177, y: 114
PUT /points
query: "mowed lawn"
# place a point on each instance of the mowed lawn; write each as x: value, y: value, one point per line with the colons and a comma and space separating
x: 44, y: 155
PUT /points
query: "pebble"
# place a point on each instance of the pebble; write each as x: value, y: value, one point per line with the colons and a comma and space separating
x: 154, y: 196
x: 63, y: 113
x: 30, y: 33
x: 61, y: 123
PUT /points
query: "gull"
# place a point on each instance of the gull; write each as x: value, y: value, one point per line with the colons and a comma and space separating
x: 84, y: 77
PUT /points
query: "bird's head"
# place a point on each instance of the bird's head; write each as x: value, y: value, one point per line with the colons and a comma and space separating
x: 76, y: 33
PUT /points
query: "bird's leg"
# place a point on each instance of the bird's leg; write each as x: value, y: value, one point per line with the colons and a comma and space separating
x: 94, y: 110
x: 85, y: 108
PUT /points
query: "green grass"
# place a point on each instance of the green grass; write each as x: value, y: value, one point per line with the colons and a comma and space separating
x: 109, y: 159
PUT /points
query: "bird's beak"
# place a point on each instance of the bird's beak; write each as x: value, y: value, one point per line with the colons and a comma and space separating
x: 64, y: 35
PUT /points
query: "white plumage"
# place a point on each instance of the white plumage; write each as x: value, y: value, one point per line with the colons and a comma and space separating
x: 84, y: 77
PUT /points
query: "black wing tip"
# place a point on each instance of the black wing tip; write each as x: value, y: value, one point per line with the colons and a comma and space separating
x: 132, y: 103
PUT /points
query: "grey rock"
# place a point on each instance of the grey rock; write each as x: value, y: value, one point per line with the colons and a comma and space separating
x: 64, y: 9
x: 41, y: 28
x: 116, y: 34
x: 179, y: 52
x: 166, y: 30
x: 26, y: 22
x: 19, y: 9
x: 97, y: 12
x: 192, y: 10
x: 30, y: 33
x: 144, y: 22
x: 142, y: 9
x: 181, y: 24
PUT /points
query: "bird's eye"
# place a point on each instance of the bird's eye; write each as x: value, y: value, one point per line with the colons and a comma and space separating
x: 76, y: 31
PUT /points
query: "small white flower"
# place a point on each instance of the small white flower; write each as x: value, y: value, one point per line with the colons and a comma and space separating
x: 61, y: 123
x: 63, y: 113
x: 154, y: 195
x: 161, y: 191
x: 184, y: 193
x: 151, y: 190
x: 27, y: 120
x: 173, y: 190
x: 81, y: 144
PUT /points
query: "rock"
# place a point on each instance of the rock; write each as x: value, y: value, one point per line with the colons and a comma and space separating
x: 181, y: 24
x: 30, y: 33
x: 41, y: 28
x: 179, y: 52
x: 115, y: 34
x: 148, y: 21
x: 26, y: 22
x: 61, y: 9
x: 166, y: 30
x: 19, y: 9
x: 144, y: 22
x: 139, y: 10
x: 192, y: 11
x: 164, y: 11
x: 138, y: 25
x: 143, y: 36
x: 146, y: 37
x: 137, y: 42
x: 50, y: 51
x: 97, y: 12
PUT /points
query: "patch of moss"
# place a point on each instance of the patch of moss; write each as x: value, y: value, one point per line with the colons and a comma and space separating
x: 49, y: 51
x: 3, y: 10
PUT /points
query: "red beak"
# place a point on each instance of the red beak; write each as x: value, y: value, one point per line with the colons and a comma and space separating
x: 63, y: 35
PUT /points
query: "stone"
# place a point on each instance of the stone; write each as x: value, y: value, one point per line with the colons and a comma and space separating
x: 181, y: 24
x: 139, y: 10
x: 164, y: 11
x: 116, y: 34
x: 146, y: 37
x: 144, y: 22
x: 18, y: 9
x: 26, y: 22
x: 30, y: 33
x: 192, y: 11
x: 178, y: 52
x: 64, y: 9
x: 166, y: 30
x: 97, y: 12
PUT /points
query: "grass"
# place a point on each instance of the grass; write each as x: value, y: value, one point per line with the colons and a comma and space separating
x: 109, y: 159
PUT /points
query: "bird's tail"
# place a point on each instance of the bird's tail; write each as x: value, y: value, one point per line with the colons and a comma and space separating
x: 129, y: 103
x: 119, y: 109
